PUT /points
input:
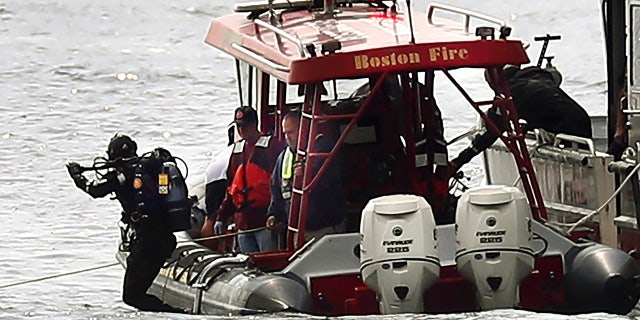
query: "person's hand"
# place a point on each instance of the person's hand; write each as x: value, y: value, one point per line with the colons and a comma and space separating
x: 75, y: 171
x: 271, y: 222
x: 74, y: 168
x: 297, y: 169
x: 218, y: 227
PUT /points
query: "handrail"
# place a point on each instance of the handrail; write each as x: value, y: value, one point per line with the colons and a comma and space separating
x: 282, y: 33
x: 560, y: 137
x: 468, y: 14
x: 260, y: 58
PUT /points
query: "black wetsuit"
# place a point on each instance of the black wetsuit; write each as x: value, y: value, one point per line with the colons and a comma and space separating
x: 152, y: 244
x: 540, y: 102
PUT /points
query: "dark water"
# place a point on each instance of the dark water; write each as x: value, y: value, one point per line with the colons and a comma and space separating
x: 75, y: 72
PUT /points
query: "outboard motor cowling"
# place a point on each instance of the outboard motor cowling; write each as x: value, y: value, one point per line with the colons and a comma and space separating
x: 493, y: 235
x: 398, y: 254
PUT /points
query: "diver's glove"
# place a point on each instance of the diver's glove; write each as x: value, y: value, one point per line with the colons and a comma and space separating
x: 74, y: 168
x: 75, y: 171
x: 218, y: 227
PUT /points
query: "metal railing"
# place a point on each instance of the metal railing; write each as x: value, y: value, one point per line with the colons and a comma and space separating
x: 260, y: 58
x: 283, y: 34
x: 468, y: 14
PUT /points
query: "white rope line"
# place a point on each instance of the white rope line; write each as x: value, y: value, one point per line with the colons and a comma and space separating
x: 606, y: 203
x: 225, y: 235
x: 59, y: 275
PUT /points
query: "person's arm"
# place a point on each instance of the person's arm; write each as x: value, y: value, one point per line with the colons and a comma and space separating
x: 480, y: 142
x: 620, y: 135
x: 616, y: 148
x: 95, y: 188
x: 227, y: 208
x: 215, y: 192
x: 216, y: 181
x: 276, y: 207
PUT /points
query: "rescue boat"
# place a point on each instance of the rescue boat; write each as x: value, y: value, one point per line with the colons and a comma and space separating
x: 410, y: 245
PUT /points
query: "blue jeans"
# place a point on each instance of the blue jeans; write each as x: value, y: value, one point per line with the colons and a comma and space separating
x: 259, y: 241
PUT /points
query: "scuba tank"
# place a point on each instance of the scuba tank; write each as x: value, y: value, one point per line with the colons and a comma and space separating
x: 161, y: 191
x: 176, y: 200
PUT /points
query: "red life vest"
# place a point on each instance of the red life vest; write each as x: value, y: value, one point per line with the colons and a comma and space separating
x: 256, y: 193
x: 250, y: 185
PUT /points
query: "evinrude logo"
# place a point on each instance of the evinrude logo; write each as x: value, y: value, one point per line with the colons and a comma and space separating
x: 364, y: 61
x: 442, y: 53
x: 491, y: 236
x: 397, y: 246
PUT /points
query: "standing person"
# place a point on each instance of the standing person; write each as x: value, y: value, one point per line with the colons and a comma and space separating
x: 620, y: 136
x: 153, y: 240
x: 327, y: 204
x: 216, y: 183
x: 540, y: 101
x: 248, y: 194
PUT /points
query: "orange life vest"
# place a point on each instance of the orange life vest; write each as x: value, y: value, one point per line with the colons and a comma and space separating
x: 250, y: 187
x: 251, y: 180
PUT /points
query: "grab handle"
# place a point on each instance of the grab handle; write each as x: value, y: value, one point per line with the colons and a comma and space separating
x: 560, y: 137
x: 468, y: 14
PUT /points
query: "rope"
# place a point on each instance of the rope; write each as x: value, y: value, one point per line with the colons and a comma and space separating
x: 108, y: 265
x: 615, y: 193
x: 59, y: 275
x: 225, y: 235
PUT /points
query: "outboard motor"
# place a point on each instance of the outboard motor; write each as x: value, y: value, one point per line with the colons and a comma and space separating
x: 398, y: 254
x: 601, y: 278
x: 494, y: 243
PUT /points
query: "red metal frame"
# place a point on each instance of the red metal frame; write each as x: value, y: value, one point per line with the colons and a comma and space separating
x: 513, y: 138
x: 311, y: 115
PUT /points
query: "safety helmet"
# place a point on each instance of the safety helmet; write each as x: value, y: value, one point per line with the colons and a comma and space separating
x: 121, y: 146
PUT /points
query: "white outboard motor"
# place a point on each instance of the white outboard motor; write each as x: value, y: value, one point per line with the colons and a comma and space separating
x: 493, y: 236
x: 398, y: 253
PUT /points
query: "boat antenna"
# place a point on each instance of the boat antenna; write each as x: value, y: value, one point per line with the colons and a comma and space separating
x: 272, y: 13
x: 413, y: 38
x: 394, y: 9
x: 329, y: 6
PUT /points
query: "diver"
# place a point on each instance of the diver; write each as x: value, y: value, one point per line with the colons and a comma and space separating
x: 539, y: 100
x: 152, y: 241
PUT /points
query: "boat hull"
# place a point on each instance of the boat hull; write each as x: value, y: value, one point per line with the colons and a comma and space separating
x: 324, y: 279
x: 201, y: 281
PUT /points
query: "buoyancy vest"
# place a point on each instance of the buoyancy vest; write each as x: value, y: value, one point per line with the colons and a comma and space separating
x: 250, y: 185
x: 161, y: 193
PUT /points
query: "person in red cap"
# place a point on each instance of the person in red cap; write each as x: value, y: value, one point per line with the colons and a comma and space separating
x: 248, y: 195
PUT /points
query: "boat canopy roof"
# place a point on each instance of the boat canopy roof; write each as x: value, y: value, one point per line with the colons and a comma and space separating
x: 308, y: 46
